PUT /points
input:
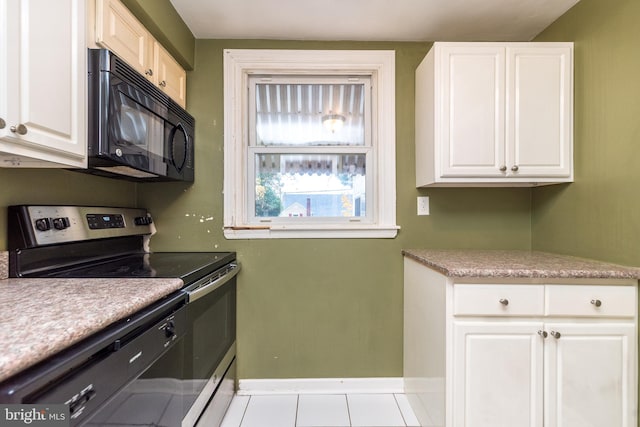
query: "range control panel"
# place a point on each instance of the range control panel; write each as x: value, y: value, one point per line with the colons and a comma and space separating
x: 47, y: 225
x: 102, y: 221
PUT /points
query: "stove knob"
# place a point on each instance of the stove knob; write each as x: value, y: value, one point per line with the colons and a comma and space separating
x: 43, y: 224
x: 170, y: 329
x: 61, y: 223
x: 143, y: 220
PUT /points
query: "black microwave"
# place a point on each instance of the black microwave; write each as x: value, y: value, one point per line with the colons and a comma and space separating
x: 135, y: 131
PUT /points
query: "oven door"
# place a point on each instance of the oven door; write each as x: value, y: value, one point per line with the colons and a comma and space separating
x: 155, y: 398
x: 209, y: 342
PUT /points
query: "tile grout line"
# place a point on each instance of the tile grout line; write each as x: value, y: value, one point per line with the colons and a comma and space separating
x: 395, y: 399
x: 244, y: 412
x: 346, y: 397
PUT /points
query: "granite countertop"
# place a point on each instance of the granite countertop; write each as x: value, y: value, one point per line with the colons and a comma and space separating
x: 517, y: 264
x: 41, y: 317
x: 4, y: 264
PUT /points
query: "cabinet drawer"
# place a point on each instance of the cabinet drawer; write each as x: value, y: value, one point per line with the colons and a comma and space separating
x: 591, y: 301
x: 498, y: 300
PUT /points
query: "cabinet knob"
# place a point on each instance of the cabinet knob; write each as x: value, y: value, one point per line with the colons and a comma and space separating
x: 149, y: 72
x: 20, y: 129
x: 3, y: 124
x: 515, y: 168
x: 163, y: 83
x: 503, y: 168
x: 555, y: 334
x: 596, y: 302
x: 543, y: 334
x: 504, y: 301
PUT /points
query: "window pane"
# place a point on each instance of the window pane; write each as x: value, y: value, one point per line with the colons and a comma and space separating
x: 310, y: 185
x: 318, y: 114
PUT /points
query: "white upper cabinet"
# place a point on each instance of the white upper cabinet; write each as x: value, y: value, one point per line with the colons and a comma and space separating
x: 42, y: 83
x: 169, y: 75
x: 119, y: 31
x: 494, y: 114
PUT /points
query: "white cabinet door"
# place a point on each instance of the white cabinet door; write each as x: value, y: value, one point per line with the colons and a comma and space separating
x: 119, y: 31
x: 590, y: 375
x: 170, y: 76
x: 472, y: 84
x: 497, y: 374
x: 45, y: 80
x: 539, y: 96
x: 8, y: 28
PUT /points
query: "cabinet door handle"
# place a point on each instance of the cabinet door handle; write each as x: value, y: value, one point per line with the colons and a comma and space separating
x: 149, y: 72
x: 503, y: 168
x: 3, y: 124
x: 504, y: 301
x: 596, y: 302
x: 515, y: 168
x: 542, y: 333
x: 163, y: 83
x: 20, y: 129
x: 555, y: 334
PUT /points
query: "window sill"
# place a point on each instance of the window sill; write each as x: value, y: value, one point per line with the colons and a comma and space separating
x: 312, y: 232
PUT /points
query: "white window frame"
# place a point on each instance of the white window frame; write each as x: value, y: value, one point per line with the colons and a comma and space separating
x: 238, y: 65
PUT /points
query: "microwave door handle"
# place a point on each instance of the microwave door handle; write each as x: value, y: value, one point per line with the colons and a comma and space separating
x: 212, y: 286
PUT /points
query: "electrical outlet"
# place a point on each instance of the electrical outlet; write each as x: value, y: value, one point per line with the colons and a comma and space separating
x: 423, y: 205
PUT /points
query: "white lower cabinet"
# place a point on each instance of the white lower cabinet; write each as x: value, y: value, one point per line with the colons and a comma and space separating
x: 500, y: 354
x: 590, y: 375
x: 507, y: 375
x: 497, y: 374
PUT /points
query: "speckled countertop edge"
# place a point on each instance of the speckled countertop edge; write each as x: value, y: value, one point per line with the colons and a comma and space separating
x: 517, y: 264
x: 4, y: 265
x: 41, y: 317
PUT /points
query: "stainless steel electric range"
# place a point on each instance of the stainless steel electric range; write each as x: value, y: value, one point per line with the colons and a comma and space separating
x: 187, y: 340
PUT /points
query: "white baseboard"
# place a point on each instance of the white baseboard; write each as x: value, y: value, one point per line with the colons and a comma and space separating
x: 320, y: 386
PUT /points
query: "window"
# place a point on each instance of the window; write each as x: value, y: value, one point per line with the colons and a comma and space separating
x: 309, y: 144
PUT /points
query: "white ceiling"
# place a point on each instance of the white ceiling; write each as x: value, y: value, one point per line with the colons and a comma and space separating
x: 373, y: 20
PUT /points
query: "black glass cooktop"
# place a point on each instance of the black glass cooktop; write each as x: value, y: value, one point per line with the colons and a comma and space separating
x: 188, y: 266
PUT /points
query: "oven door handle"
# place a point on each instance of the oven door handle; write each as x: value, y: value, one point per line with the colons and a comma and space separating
x: 202, y: 291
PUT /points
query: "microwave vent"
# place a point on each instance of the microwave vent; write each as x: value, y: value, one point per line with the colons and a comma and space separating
x: 136, y: 78
x: 123, y: 69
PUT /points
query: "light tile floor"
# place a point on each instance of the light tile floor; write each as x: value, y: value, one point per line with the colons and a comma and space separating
x: 320, y: 410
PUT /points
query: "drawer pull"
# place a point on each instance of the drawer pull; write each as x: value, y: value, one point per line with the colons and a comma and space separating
x: 555, y: 334
x: 596, y: 302
x: 543, y: 334
x: 504, y: 301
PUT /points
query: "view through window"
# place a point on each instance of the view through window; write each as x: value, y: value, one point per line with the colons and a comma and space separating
x: 310, y: 147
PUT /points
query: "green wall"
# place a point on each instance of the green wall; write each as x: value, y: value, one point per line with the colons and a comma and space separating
x: 51, y: 186
x: 321, y: 307
x: 597, y: 215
